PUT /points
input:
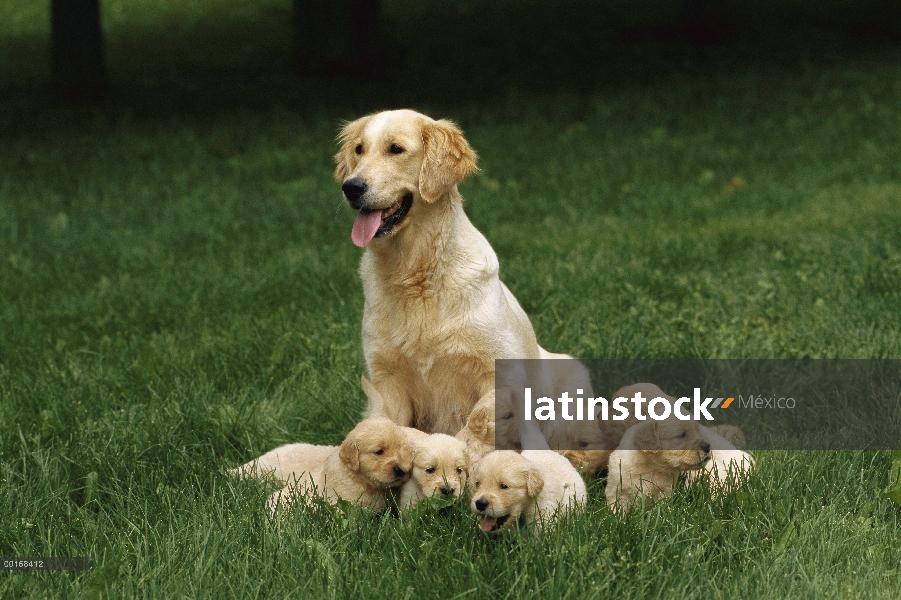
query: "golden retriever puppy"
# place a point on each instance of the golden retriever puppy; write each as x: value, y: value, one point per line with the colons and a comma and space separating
x: 485, y: 433
x: 728, y: 466
x: 591, y: 453
x: 650, y: 459
x: 436, y: 315
x: 569, y: 374
x: 440, y: 466
x: 375, y: 456
x: 515, y: 491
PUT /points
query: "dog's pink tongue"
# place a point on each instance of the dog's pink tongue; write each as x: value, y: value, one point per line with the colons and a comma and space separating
x: 365, y: 226
x: 487, y: 523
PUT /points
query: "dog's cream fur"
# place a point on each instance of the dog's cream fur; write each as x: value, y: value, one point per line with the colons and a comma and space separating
x: 650, y: 459
x: 536, y: 485
x: 440, y: 466
x: 592, y: 455
x: 728, y: 466
x: 436, y: 314
x: 375, y: 456
x: 484, y: 432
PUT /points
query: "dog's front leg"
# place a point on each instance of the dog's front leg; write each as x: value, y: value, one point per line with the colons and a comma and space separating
x: 388, y: 398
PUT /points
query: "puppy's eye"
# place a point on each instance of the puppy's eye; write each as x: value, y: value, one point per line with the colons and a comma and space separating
x: 508, y: 416
x: 430, y: 470
x: 503, y: 486
x: 459, y: 471
x: 379, y: 452
x: 395, y: 149
x: 583, y: 444
x: 359, y: 149
x: 683, y: 434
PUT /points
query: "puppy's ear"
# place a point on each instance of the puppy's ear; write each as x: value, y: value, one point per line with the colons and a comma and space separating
x: 447, y: 160
x: 350, y: 454
x: 348, y: 140
x: 647, y: 438
x: 478, y: 421
x: 376, y: 400
x: 534, y: 482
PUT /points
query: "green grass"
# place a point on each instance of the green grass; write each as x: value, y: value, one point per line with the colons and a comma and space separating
x: 178, y: 293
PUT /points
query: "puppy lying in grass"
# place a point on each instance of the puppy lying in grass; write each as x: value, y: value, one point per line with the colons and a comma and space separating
x: 440, y: 466
x: 728, y: 466
x: 516, y: 491
x: 593, y: 454
x: 375, y: 456
x: 650, y: 459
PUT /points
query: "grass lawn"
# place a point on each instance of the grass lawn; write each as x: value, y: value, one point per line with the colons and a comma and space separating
x: 178, y: 292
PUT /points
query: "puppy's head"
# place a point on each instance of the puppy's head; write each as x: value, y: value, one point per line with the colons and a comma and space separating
x: 493, y: 423
x: 390, y: 162
x: 379, y: 451
x: 440, y: 465
x: 504, y: 485
x: 672, y: 444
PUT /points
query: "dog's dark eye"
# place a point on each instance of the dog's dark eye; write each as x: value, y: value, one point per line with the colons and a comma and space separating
x: 359, y: 149
x: 395, y: 149
x: 683, y: 434
x: 379, y: 452
x: 459, y: 471
x: 477, y: 483
x: 583, y: 444
x: 508, y: 416
x: 430, y: 470
x: 504, y: 486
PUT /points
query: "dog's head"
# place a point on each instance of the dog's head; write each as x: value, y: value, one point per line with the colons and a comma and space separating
x: 504, y: 485
x: 390, y: 163
x: 440, y: 465
x: 672, y: 444
x: 379, y: 451
x: 493, y: 423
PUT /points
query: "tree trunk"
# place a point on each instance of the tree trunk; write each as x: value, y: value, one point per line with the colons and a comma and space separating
x: 76, y: 59
x: 335, y: 37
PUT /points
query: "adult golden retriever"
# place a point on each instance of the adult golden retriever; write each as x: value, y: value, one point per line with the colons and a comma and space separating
x: 436, y: 314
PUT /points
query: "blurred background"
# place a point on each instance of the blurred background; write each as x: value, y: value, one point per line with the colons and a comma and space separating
x: 157, y: 56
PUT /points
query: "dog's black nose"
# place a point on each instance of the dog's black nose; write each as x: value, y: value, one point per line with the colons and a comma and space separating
x: 481, y: 504
x: 353, y: 190
x: 447, y: 490
x: 398, y: 471
x: 705, y: 447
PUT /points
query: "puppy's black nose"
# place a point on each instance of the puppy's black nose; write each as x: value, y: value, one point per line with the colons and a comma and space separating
x: 447, y: 490
x: 481, y: 504
x: 705, y: 447
x: 398, y: 471
x: 353, y: 190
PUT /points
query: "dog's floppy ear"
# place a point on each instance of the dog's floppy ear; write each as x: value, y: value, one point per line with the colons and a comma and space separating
x: 350, y: 453
x: 447, y: 159
x: 348, y: 140
x: 534, y: 482
x: 647, y: 438
x: 376, y: 400
x: 478, y: 421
